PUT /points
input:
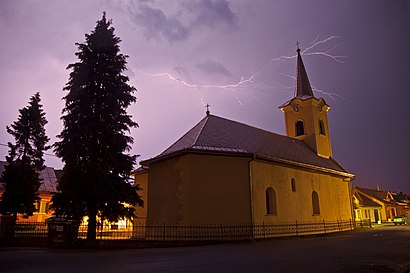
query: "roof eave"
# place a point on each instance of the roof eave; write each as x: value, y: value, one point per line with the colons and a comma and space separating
x: 347, y: 175
x: 191, y: 150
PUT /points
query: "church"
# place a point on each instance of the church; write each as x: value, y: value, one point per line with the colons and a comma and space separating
x: 226, y: 172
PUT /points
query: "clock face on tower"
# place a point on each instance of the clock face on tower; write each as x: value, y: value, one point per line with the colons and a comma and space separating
x: 297, y: 107
x: 320, y: 107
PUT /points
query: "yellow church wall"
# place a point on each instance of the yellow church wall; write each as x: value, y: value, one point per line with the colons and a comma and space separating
x: 164, y: 180
x: 199, y: 189
x: 333, y: 192
x: 141, y: 179
x: 221, y: 192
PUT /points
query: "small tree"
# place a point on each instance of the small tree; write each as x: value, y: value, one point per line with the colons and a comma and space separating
x: 93, y: 143
x: 25, y: 160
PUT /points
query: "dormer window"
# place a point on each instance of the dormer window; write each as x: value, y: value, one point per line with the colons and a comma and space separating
x: 300, y: 128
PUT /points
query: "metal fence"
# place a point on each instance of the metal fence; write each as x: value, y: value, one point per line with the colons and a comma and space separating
x: 30, y: 230
x: 200, y: 232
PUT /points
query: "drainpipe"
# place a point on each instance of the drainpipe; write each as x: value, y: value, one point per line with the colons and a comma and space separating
x: 350, y: 186
x: 251, y: 190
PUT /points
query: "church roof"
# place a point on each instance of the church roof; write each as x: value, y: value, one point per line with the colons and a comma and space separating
x: 48, y: 176
x: 214, y: 134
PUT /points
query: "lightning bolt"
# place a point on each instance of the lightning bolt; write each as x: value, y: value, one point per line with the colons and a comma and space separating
x: 250, y: 81
x: 314, y: 88
x: 337, y: 58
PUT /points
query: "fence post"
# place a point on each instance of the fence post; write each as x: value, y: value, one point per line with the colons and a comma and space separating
x: 163, y: 234
x: 264, y: 232
x: 101, y: 230
x: 297, y: 233
x: 324, y: 225
x: 222, y: 233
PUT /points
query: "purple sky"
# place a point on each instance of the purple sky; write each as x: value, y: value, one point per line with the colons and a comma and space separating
x: 208, y: 47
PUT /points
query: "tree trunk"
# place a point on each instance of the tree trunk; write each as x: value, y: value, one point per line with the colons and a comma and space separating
x: 92, y: 226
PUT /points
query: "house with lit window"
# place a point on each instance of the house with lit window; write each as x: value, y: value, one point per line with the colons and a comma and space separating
x: 388, y: 205
x: 226, y: 172
x: 47, y: 188
x: 403, y: 203
x: 365, y: 209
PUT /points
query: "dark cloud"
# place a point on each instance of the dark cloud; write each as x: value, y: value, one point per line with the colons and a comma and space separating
x: 213, y: 67
x: 212, y: 12
x: 156, y: 23
x: 198, y: 14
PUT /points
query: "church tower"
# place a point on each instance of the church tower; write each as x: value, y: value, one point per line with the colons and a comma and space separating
x: 306, y: 115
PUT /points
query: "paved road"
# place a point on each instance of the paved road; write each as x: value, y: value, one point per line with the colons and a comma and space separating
x: 384, y: 249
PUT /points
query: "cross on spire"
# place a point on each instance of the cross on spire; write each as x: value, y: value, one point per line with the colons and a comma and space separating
x: 297, y: 46
x: 207, y: 109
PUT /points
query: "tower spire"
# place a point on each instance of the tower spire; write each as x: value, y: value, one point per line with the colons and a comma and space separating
x: 306, y: 115
x: 303, y: 88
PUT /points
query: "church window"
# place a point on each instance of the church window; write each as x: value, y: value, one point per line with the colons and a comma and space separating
x: 293, y: 184
x: 322, y: 127
x: 300, y: 128
x: 270, y: 201
x: 315, y: 203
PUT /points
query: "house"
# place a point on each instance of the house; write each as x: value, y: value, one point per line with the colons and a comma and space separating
x: 226, y: 172
x: 387, y: 206
x: 402, y: 203
x: 365, y: 208
x: 47, y: 188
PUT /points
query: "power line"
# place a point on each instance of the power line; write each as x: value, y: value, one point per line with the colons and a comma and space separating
x: 2, y: 144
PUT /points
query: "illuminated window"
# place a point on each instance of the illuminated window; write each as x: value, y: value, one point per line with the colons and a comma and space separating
x: 293, y: 184
x: 270, y: 201
x: 321, y: 127
x: 315, y: 203
x: 300, y: 128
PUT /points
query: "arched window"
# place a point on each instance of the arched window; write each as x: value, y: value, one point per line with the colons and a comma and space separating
x: 321, y: 127
x: 300, y: 128
x: 293, y: 184
x: 270, y: 201
x: 315, y: 203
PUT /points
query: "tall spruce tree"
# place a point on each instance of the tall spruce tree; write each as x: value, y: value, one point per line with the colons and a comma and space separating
x: 94, y: 144
x: 25, y: 160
